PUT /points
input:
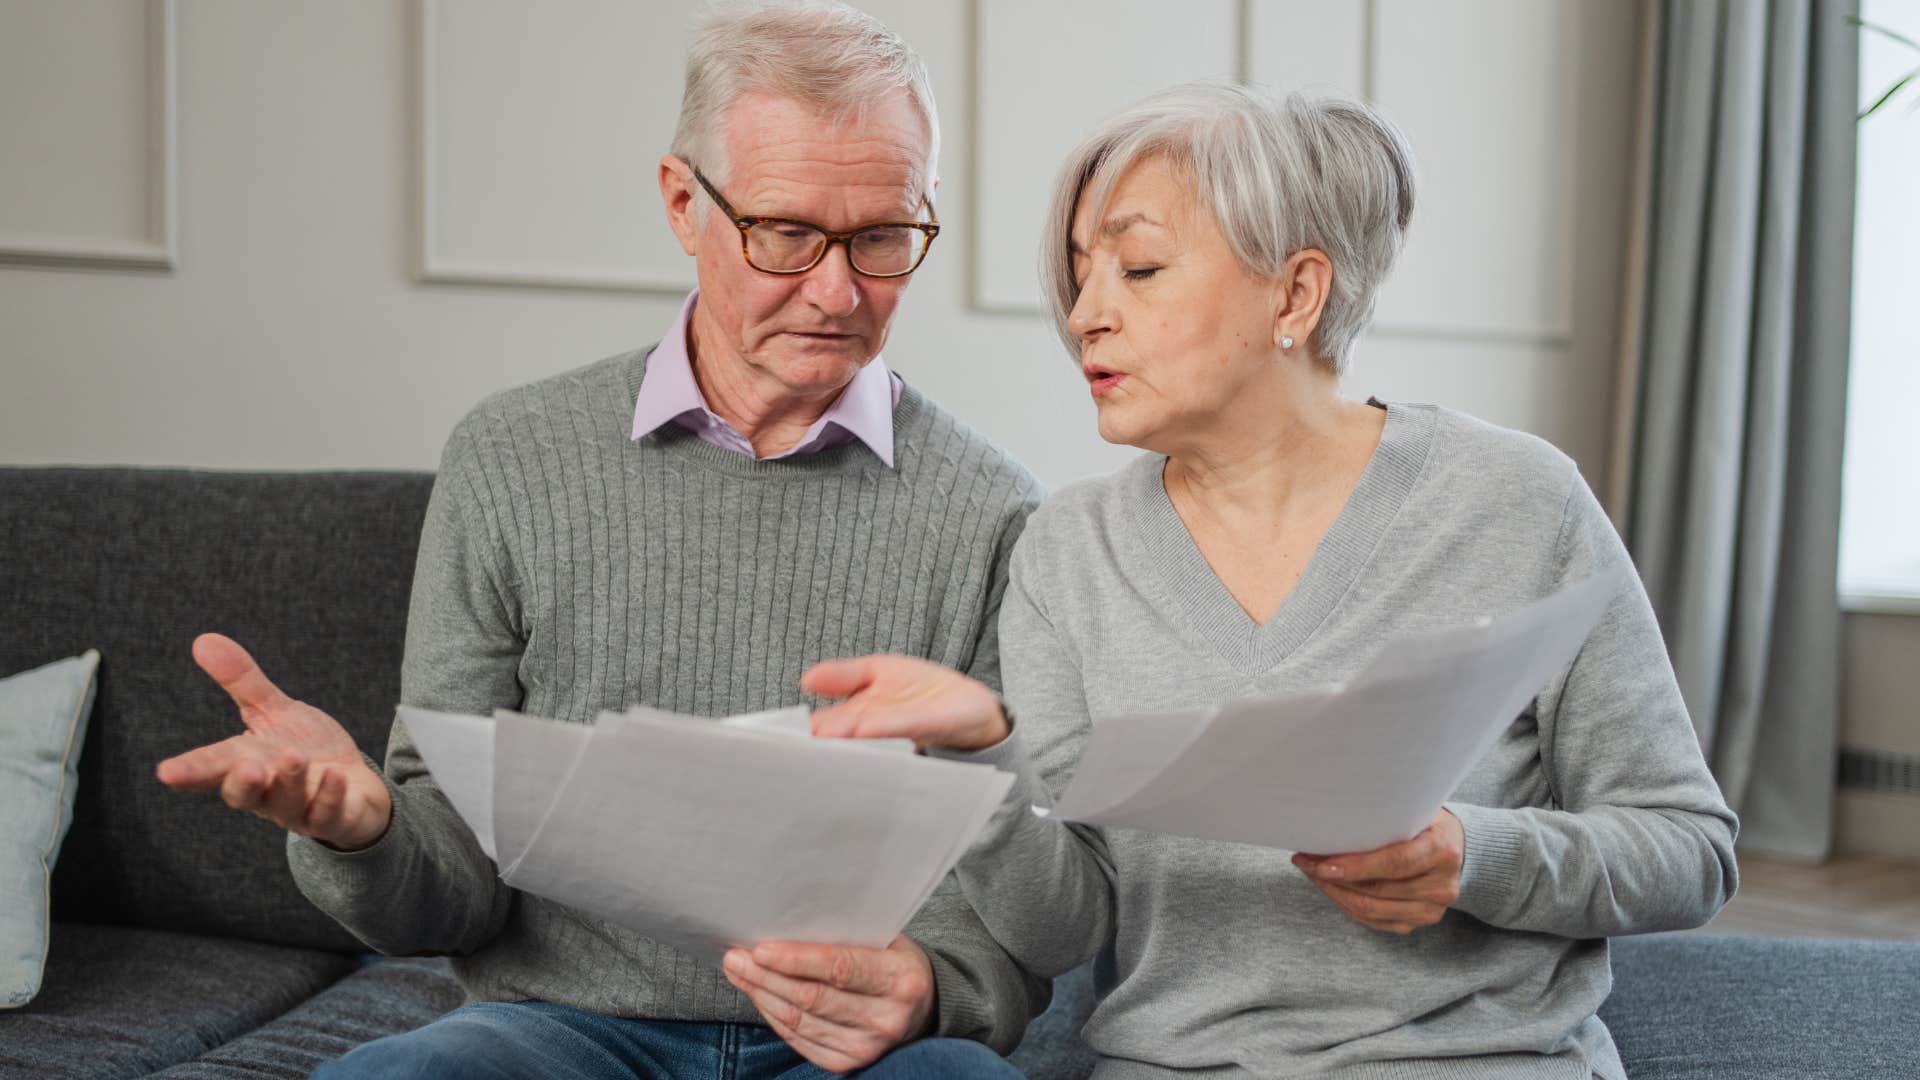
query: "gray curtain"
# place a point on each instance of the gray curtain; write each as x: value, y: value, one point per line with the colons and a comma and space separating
x: 1733, y: 499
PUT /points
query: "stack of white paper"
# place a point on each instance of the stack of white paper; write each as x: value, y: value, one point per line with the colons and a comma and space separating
x: 706, y: 834
x: 1349, y: 768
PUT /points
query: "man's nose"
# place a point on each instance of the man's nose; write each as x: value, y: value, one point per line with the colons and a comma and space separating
x: 830, y: 285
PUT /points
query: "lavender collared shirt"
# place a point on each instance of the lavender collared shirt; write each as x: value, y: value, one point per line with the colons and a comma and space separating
x: 669, y: 394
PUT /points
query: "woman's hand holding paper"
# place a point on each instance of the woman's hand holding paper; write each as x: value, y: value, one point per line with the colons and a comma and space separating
x: 1400, y: 887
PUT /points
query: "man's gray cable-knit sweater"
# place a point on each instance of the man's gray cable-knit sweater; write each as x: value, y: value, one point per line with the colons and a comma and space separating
x: 566, y: 568
x: 1593, y: 815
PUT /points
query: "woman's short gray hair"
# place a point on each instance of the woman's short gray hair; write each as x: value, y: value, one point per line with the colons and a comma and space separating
x: 822, y: 52
x: 1279, y: 174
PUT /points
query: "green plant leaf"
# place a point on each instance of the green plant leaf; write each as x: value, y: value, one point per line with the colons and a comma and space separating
x: 1891, y: 90
x: 1855, y: 20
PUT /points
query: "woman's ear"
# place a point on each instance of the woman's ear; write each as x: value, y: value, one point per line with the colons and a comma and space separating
x: 1303, y: 286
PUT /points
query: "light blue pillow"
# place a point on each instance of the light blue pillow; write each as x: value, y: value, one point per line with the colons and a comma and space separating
x: 43, y: 718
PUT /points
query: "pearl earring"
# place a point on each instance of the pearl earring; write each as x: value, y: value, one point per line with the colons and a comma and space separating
x: 1286, y: 341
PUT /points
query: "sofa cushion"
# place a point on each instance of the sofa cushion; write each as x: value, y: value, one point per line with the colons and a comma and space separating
x: 1689, y: 1007
x: 122, y: 1001
x: 385, y: 997
x: 310, y: 571
x: 1683, y: 1007
x: 43, y: 717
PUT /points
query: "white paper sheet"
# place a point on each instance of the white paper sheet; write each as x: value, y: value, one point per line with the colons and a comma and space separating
x: 793, y: 720
x: 797, y: 720
x: 459, y: 752
x: 706, y: 834
x: 532, y: 758
x: 1347, y: 768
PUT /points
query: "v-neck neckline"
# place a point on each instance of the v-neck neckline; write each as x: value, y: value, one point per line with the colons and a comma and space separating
x: 1191, y: 588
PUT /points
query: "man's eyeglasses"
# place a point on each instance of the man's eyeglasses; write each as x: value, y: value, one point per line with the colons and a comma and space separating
x: 784, y: 246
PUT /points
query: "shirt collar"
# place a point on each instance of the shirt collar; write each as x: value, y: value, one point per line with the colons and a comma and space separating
x: 669, y: 393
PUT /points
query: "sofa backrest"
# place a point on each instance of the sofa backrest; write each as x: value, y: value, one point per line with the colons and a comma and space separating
x: 309, y: 571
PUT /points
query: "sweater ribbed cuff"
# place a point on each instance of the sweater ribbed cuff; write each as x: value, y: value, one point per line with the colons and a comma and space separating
x: 1495, y: 852
x: 1005, y: 755
x: 959, y: 1012
x: 334, y: 879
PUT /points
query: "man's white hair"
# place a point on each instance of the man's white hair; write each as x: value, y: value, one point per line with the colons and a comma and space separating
x: 1279, y: 175
x: 824, y: 53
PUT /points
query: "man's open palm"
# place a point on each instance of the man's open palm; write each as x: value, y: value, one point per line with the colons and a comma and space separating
x: 294, y: 765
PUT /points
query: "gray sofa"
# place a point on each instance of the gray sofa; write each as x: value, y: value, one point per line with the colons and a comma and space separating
x: 181, y: 947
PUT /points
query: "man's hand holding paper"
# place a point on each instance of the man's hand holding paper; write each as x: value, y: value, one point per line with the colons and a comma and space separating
x: 840, y: 1006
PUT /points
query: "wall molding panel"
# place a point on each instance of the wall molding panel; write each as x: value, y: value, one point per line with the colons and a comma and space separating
x: 1026, y: 117
x: 1489, y: 92
x: 583, y: 215
x: 151, y: 242
x: 1294, y: 43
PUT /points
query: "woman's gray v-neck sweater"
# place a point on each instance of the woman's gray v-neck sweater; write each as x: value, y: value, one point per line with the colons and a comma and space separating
x: 1593, y: 815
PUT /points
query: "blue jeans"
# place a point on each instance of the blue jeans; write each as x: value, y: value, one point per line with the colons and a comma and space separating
x: 536, y: 1039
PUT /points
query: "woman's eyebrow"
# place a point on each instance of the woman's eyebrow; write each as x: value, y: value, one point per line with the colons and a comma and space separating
x: 1114, y: 226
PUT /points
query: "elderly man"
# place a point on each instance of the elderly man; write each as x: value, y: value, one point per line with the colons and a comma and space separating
x: 689, y: 527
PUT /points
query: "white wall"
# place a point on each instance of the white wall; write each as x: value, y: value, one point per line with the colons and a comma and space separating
x: 1880, y: 686
x: 293, y: 327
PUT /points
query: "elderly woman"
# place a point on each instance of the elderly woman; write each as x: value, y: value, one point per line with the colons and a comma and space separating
x: 1212, y: 256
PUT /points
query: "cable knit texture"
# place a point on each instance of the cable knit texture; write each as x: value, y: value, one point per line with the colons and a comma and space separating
x: 566, y: 568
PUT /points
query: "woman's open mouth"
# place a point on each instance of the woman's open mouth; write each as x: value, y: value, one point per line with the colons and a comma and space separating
x: 1101, y: 379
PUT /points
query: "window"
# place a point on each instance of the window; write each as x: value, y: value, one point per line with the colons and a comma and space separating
x: 1880, y: 515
